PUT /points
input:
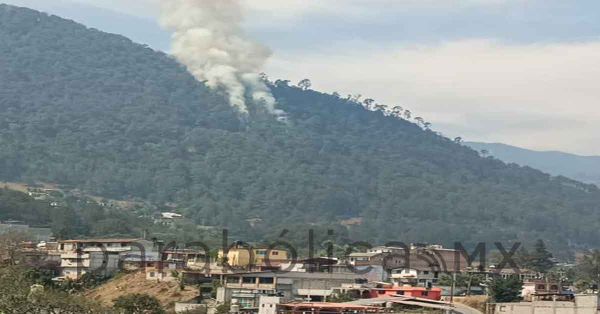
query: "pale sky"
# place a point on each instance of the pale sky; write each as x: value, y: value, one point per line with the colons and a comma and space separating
x: 520, y: 72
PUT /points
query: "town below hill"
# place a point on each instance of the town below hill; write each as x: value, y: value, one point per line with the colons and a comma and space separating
x: 122, y: 273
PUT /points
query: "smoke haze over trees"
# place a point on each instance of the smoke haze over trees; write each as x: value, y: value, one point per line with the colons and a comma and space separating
x: 209, y: 41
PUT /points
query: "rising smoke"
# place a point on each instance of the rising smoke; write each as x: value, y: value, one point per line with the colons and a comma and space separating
x: 208, y: 39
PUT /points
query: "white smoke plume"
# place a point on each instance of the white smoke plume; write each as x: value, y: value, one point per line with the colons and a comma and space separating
x: 208, y: 40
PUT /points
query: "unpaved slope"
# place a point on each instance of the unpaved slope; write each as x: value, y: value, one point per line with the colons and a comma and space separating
x: 166, y: 292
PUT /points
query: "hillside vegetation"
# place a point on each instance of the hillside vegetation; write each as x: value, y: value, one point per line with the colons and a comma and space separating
x: 101, y: 113
x: 71, y: 216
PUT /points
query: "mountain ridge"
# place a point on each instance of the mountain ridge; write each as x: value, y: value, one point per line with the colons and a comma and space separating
x: 558, y: 152
x: 579, y: 167
x: 140, y: 29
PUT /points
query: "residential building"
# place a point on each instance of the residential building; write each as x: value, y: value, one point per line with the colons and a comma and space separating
x: 374, y: 290
x: 161, y: 271
x: 132, y: 261
x: 268, y: 304
x: 99, y: 256
x: 415, y: 277
x: 174, y: 263
x: 109, y: 245
x: 540, y: 288
x: 523, y: 273
x: 264, y: 256
x: 246, y: 256
x: 76, y: 264
x: 417, y: 264
x: 248, y: 287
x: 184, y: 256
x: 365, y: 258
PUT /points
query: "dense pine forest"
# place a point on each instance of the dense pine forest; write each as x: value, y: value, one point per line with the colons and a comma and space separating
x: 98, y: 112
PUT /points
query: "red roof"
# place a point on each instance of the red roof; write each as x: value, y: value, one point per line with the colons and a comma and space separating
x: 327, y: 305
x: 408, y: 288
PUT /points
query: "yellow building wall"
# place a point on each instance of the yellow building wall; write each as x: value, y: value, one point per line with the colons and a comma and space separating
x: 237, y: 257
x: 240, y: 257
x: 274, y: 256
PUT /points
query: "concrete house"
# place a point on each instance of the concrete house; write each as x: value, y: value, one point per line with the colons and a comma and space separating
x: 417, y: 264
x: 247, y: 288
x: 246, y: 256
x: 100, y: 256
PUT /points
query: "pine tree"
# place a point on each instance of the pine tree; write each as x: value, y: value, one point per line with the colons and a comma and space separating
x: 540, y: 259
x: 506, y: 289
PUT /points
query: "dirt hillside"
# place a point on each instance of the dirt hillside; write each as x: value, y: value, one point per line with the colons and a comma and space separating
x: 166, y: 292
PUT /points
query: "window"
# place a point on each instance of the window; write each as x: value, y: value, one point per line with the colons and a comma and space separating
x: 265, y: 280
x: 246, y: 303
x: 152, y: 274
x: 541, y: 287
x: 248, y: 279
x: 554, y: 287
x: 233, y: 279
x: 425, y: 272
x: 274, y: 252
x: 425, y: 293
x: 381, y: 291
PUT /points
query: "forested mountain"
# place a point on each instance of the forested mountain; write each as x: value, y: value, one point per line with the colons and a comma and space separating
x: 70, y: 216
x: 581, y: 168
x: 136, y: 28
x: 99, y: 112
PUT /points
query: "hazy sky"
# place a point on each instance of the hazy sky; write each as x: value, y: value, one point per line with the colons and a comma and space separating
x: 519, y: 72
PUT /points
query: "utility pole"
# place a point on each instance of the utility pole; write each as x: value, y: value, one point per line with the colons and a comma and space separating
x: 469, y: 283
x: 452, y: 287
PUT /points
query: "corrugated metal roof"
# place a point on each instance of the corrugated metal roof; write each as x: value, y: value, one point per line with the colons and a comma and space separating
x: 361, y: 254
x: 117, y: 240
